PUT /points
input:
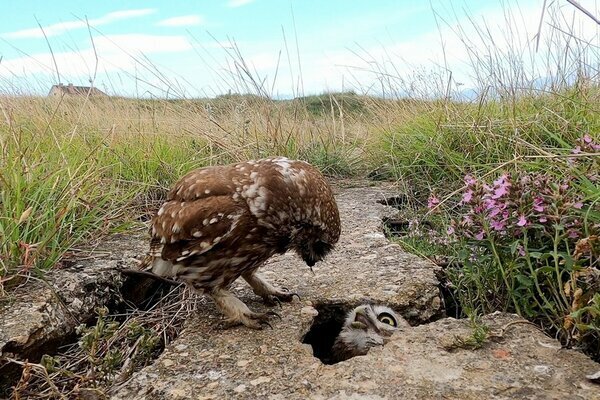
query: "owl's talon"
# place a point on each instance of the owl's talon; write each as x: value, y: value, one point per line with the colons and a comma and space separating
x: 272, y: 300
x: 288, y: 292
x: 253, y: 320
x: 273, y: 313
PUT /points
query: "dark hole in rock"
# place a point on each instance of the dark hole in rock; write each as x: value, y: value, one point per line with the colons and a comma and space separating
x: 138, y: 295
x: 394, y: 201
x: 396, y: 227
x: 325, y: 328
x: 448, y: 295
x: 327, y: 325
x: 382, y: 173
x: 10, y: 372
x: 142, y: 292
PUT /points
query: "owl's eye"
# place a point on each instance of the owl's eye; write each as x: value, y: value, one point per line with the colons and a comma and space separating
x: 388, y: 319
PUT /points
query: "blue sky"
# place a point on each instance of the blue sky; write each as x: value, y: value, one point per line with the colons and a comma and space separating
x: 185, y: 48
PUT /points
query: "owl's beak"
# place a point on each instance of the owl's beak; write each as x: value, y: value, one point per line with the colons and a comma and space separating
x: 363, y: 321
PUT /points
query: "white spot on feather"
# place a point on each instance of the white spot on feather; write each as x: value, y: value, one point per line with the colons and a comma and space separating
x: 197, y: 234
x: 212, y: 221
x: 161, y: 211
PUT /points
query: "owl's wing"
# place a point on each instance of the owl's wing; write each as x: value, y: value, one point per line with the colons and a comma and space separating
x: 182, y: 229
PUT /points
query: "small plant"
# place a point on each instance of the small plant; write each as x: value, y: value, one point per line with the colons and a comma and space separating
x: 107, y: 352
x: 477, y: 338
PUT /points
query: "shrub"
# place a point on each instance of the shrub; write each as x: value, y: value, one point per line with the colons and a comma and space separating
x: 528, y: 243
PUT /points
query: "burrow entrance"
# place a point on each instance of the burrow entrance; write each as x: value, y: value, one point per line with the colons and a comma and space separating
x: 129, y: 332
x: 328, y: 324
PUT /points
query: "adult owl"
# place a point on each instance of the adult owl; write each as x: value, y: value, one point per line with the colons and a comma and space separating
x: 222, y: 222
x: 365, y: 327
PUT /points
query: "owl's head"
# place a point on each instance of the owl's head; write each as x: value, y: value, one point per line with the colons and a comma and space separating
x: 313, y: 250
x: 366, y: 326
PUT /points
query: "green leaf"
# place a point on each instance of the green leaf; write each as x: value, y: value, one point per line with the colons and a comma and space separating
x: 524, y: 280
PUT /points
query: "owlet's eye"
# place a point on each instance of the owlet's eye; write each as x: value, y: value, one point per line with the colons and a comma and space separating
x: 388, y: 319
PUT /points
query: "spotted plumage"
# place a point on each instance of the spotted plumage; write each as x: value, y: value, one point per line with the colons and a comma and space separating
x: 223, y: 222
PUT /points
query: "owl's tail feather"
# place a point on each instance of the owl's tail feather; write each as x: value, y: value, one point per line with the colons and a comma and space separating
x: 148, y: 274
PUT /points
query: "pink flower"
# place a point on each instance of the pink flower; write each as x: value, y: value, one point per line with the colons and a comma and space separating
x: 467, y: 196
x: 521, y: 250
x: 543, y: 219
x: 522, y: 221
x: 432, y: 201
x: 495, y: 211
x: 479, y: 236
x: 578, y: 205
x: 573, y: 234
x: 501, y: 181
x: 537, y: 204
x: 499, y: 192
x: 501, y: 186
x: 587, y: 138
x: 450, y: 230
x: 576, y: 150
x: 467, y: 220
x: 498, y: 225
x: 469, y: 180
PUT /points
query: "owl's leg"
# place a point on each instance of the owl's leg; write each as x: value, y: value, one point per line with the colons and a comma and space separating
x: 237, y: 312
x: 270, y: 294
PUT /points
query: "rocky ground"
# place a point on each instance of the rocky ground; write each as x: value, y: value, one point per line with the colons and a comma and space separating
x: 428, y: 360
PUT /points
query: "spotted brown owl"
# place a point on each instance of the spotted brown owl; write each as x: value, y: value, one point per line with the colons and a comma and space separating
x: 223, y: 222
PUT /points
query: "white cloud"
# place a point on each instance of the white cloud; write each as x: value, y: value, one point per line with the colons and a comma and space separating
x: 62, y: 27
x: 139, y: 43
x: 238, y: 3
x: 184, y: 20
x: 115, y: 53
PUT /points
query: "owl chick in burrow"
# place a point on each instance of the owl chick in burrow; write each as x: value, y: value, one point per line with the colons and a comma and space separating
x: 222, y: 222
x: 365, y: 327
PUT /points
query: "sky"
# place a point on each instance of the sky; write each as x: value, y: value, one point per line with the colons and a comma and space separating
x: 281, y: 48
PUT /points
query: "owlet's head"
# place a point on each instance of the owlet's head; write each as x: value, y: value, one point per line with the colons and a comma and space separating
x: 366, y: 326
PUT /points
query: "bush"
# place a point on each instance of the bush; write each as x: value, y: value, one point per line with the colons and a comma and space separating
x: 528, y: 243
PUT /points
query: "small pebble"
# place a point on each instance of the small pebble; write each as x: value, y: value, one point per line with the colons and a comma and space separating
x: 240, y: 389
